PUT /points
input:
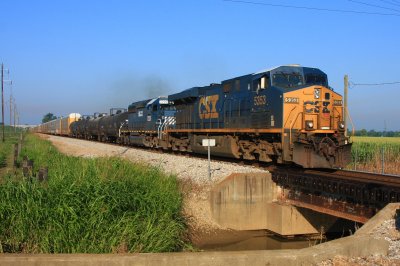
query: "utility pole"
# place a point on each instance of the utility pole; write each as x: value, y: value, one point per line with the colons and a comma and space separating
x: 10, y: 108
x: 2, y: 97
x: 15, y: 112
x: 346, y: 88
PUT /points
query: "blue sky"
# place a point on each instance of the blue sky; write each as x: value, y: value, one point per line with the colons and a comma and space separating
x: 88, y: 56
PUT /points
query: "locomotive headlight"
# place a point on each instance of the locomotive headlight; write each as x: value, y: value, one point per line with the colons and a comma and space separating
x: 341, y: 125
x: 309, y: 125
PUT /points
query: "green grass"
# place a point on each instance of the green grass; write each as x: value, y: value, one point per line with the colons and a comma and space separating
x: 98, y: 205
x: 11, y: 137
x: 367, y: 154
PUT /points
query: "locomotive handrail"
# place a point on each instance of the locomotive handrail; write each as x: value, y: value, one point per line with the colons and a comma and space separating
x: 351, y: 121
x: 335, y: 109
x: 290, y: 113
x: 291, y: 127
x: 159, y: 129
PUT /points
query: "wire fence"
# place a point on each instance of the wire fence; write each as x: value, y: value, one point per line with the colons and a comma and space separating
x: 377, y: 156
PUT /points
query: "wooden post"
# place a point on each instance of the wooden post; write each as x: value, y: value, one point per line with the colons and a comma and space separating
x: 15, y: 154
x: 19, y: 148
x: 2, y: 98
x: 43, y: 174
x: 346, y: 88
x: 27, y: 167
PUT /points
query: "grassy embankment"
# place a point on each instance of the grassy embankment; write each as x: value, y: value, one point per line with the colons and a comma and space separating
x: 367, y: 154
x: 97, y: 205
x: 6, y: 147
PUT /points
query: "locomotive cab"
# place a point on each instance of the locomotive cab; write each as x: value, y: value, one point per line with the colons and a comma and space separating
x: 313, y: 123
x: 147, y: 120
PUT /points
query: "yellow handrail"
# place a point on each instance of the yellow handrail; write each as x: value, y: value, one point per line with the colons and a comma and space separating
x: 291, y: 127
x: 351, y: 121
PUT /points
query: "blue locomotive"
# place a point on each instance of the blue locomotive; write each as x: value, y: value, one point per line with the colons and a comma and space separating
x: 287, y: 114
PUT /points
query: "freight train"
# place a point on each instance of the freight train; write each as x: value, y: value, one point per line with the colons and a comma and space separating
x: 286, y: 114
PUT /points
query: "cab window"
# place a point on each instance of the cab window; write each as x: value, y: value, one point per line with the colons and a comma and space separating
x: 287, y: 80
x: 261, y: 83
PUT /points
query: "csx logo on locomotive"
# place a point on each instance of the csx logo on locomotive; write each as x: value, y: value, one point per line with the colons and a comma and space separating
x: 207, y: 107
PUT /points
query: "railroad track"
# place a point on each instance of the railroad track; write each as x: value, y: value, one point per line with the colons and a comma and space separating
x: 348, y: 194
x: 351, y: 195
x: 345, y: 175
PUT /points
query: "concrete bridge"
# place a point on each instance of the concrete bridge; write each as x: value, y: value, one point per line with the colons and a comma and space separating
x: 255, y: 201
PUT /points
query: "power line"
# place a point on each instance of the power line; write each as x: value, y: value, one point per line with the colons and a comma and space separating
x: 374, y: 84
x: 390, y: 3
x: 394, y: 2
x: 366, y: 4
x: 313, y: 8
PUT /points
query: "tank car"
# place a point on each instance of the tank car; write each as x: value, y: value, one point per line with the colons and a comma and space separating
x: 92, y: 126
x: 78, y: 128
x: 110, y: 126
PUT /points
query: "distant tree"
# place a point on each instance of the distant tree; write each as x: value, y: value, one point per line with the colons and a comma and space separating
x: 362, y: 132
x: 48, y: 117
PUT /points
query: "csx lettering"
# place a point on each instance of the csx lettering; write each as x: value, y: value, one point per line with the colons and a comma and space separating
x: 309, y: 109
x: 207, y: 107
x: 260, y: 100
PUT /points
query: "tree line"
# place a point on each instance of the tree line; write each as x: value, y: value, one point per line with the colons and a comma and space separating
x: 374, y: 133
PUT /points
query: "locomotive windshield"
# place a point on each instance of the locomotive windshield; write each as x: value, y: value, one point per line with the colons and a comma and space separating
x: 287, y: 80
x: 316, y: 79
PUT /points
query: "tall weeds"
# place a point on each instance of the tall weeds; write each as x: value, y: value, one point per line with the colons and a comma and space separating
x: 98, y: 205
x: 11, y: 137
x: 374, y: 153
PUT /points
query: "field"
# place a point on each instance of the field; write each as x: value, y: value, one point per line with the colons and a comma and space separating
x: 376, y: 154
x: 101, y: 205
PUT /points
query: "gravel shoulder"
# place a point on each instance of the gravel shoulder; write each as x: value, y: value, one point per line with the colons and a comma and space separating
x: 192, y: 172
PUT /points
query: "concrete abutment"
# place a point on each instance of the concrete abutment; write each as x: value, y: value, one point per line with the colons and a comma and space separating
x: 247, y: 201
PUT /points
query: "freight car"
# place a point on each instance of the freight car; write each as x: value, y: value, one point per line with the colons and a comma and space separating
x: 110, y: 126
x: 59, y: 126
x: 78, y: 128
x: 92, y: 126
